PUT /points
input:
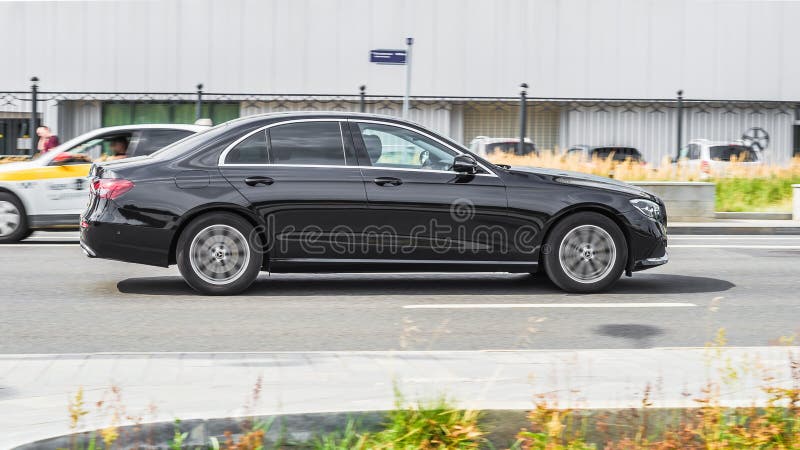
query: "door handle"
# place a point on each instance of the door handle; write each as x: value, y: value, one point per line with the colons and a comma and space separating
x: 255, y: 181
x: 391, y: 181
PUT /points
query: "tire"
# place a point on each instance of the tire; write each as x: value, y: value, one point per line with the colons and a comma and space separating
x: 13, y: 219
x: 587, y: 252
x: 217, y: 256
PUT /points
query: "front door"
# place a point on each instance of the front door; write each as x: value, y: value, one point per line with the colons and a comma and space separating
x: 302, y: 178
x: 421, y: 210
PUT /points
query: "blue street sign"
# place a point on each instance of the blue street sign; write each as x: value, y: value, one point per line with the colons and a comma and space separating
x: 387, y: 56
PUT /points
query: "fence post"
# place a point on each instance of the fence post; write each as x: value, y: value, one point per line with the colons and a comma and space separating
x: 522, y: 118
x: 362, y: 100
x: 680, y: 124
x: 32, y: 125
x: 198, y: 106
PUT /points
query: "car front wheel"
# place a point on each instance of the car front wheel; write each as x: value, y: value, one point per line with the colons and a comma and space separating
x: 217, y: 254
x: 13, y: 221
x: 585, y: 252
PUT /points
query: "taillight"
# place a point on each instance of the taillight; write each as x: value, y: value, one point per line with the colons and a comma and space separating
x: 705, y: 167
x: 110, y: 188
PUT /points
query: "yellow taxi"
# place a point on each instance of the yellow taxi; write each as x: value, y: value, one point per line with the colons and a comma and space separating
x: 51, y: 190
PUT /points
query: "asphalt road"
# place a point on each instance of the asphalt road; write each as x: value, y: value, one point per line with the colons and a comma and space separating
x: 55, y: 300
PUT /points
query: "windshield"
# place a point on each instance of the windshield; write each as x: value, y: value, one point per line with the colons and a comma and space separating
x: 189, y: 142
x: 740, y: 153
x: 510, y: 147
x: 620, y: 153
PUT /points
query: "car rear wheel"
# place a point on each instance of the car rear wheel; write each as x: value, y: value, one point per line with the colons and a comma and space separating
x: 586, y: 252
x: 13, y: 220
x: 217, y: 255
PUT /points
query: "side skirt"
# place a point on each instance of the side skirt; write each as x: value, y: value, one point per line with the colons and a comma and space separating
x: 60, y: 221
x: 298, y: 265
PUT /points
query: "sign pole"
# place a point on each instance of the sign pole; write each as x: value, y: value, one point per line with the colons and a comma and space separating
x: 409, y: 43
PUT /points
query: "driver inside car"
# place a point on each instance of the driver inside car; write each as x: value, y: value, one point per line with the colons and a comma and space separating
x: 118, y: 147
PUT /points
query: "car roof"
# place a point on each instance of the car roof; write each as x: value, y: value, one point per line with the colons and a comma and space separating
x: 318, y: 114
x: 713, y: 143
x: 595, y: 147
x: 147, y: 126
x: 491, y: 140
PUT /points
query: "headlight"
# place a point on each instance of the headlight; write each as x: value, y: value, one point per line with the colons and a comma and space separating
x: 648, y: 208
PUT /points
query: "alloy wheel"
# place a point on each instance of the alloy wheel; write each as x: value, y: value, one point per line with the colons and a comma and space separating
x: 10, y: 218
x: 587, y: 253
x: 219, y: 254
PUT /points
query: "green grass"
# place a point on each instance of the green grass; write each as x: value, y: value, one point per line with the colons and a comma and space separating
x: 773, y: 194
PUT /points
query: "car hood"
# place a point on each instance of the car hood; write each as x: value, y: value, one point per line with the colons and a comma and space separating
x: 21, y: 165
x: 592, y: 180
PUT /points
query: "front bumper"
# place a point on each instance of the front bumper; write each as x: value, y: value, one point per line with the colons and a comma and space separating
x: 647, y: 240
x: 657, y: 261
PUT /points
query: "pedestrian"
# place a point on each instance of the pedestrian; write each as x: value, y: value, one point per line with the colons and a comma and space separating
x: 47, y: 140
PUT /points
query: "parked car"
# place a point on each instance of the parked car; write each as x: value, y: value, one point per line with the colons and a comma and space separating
x: 487, y: 146
x: 716, y: 156
x: 312, y: 192
x: 589, y: 153
x: 50, y: 191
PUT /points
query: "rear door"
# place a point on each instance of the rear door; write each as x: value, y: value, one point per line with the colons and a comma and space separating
x: 302, y: 178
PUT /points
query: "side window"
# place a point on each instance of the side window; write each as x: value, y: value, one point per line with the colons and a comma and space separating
x: 153, y: 140
x: 102, y: 148
x: 252, y: 150
x: 307, y: 143
x: 395, y: 147
x: 694, y: 151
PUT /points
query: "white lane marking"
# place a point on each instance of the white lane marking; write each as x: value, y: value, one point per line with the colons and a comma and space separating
x: 733, y: 238
x: 548, y: 305
x: 2, y: 246
x: 765, y: 247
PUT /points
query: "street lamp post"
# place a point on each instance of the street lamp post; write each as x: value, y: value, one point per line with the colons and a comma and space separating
x: 680, y: 124
x: 32, y: 123
x: 198, y: 106
x: 409, y: 44
x: 523, y: 119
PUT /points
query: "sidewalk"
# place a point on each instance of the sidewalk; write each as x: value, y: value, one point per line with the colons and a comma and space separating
x: 35, y: 389
x: 736, y: 227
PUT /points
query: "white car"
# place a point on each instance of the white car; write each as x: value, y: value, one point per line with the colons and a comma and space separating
x: 714, y: 157
x: 486, y: 146
x: 51, y: 191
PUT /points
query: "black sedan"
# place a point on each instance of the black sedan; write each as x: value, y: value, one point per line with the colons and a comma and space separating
x: 344, y: 192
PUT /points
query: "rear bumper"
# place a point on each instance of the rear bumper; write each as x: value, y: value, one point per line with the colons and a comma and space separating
x: 126, y: 243
x: 110, y: 232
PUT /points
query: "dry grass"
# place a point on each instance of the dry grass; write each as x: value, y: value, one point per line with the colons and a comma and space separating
x: 630, y: 171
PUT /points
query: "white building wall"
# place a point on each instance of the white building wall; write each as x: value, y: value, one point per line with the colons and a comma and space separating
x: 741, y: 49
x: 438, y: 116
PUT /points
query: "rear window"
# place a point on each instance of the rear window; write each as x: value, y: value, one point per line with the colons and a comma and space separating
x: 252, y: 150
x: 620, y: 153
x: 727, y: 152
x: 510, y: 147
x: 307, y: 143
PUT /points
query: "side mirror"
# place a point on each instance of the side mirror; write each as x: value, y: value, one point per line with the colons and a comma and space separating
x: 465, y: 164
x: 63, y: 158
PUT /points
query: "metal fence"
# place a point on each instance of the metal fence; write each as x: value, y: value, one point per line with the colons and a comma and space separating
x: 650, y: 125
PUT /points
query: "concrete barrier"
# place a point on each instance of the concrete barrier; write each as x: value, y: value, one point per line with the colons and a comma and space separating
x: 685, y: 201
x: 796, y: 202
